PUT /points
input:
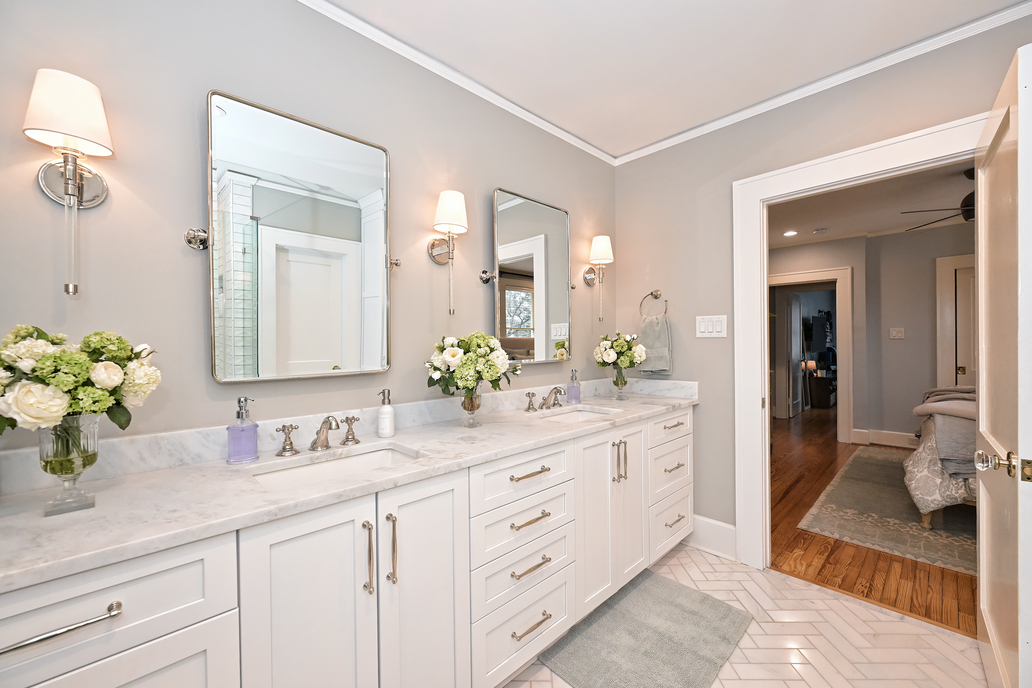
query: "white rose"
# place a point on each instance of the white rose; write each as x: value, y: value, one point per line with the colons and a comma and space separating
x: 452, y: 357
x: 436, y: 375
x: 639, y: 353
x: 500, y: 359
x: 609, y: 356
x: 33, y: 405
x: 627, y: 337
x: 450, y: 341
x: 106, y: 375
x: 562, y: 355
x: 144, y: 350
x: 133, y: 400
x: 5, y: 377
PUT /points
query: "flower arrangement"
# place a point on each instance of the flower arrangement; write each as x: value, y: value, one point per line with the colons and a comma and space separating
x: 562, y: 350
x: 619, y: 352
x: 464, y: 362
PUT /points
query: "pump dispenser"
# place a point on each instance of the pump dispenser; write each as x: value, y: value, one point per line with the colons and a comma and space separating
x: 243, y: 436
x: 573, y: 389
x: 385, y: 416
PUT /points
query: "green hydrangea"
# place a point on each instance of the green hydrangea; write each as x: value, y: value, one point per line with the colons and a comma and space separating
x: 64, y: 369
x: 621, y: 345
x: 90, y: 400
x: 19, y: 333
x: 475, y: 342
x: 107, y: 345
x: 625, y: 361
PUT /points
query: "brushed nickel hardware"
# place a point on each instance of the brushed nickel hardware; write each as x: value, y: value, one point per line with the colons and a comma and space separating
x: 288, y: 445
x: 196, y: 238
x: 671, y: 470
x: 618, y: 477
x: 544, y: 515
x: 656, y: 294
x: 393, y: 263
x: 368, y: 587
x: 680, y: 517
x: 349, y: 436
x: 393, y: 575
x: 530, y: 403
x: 545, y: 560
x: 544, y: 469
x: 961, y: 370
x: 114, y: 610
x: 552, y: 399
x: 322, y: 438
x: 545, y: 616
x: 983, y: 462
x: 675, y: 425
x: 1026, y: 470
x: 624, y: 474
x: 486, y: 276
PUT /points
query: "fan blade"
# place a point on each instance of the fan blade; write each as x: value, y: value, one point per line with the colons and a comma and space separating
x: 937, y: 210
x: 933, y: 222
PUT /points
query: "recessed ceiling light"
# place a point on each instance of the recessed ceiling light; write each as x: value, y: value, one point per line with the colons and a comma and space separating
x: 820, y: 230
x: 791, y: 232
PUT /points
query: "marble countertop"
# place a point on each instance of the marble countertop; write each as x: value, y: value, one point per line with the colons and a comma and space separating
x: 142, y: 513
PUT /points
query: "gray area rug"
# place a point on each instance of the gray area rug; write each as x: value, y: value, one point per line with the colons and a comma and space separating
x: 653, y: 633
x: 868, y: 504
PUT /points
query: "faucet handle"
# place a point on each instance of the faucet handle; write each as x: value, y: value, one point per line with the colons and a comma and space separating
x: 530, y: 403
x: 349, y: 436
x: 288, y: 445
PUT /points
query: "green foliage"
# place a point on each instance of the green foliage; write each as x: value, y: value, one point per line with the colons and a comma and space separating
x: 120, y: 416
x: 6, y: 422
x: 63, y: 369
x: 90, y: 400
x: 107, y: 345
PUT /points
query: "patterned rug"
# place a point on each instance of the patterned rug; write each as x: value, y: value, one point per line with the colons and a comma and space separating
x: 868, y: 504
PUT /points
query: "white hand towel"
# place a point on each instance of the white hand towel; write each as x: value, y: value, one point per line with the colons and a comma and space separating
x: 655, y: 337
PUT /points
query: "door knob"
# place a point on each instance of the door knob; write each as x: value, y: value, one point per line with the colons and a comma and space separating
x: 983, y: 462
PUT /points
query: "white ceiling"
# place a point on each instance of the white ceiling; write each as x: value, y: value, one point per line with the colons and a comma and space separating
x: 872, y: 209
x: 621, y: 76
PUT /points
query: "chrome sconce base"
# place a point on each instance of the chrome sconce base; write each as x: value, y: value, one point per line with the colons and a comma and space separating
x: 92, y: 191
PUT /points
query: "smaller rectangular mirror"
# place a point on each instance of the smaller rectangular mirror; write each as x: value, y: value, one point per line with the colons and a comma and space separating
x: 532, y: 284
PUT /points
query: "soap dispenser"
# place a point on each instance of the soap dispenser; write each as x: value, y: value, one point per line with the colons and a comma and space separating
x: 385, y: 417
x: 573, y: 389
x: 243, y: 436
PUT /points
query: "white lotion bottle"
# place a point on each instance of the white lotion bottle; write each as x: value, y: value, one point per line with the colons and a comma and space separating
x: 385, y: 417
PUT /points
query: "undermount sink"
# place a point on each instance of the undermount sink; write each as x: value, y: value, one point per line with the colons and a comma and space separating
x: 578, y: 414
x: 335, y: 468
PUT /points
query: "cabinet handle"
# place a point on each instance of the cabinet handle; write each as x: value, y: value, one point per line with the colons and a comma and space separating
x: 675, y: 425
x: 671, y: 470
x: 544, y: 469
x: 680, y: 517
x: 545, y: 559
x: 393, y: 575
x: 544, y: 514
x: 545, y: 616
x: 618, y: 476
x: 113, y: 610
x: 624, y: 474
x: 368, y: 587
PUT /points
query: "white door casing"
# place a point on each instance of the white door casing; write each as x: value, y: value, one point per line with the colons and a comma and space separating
x: 965, y: 330
x: 795, y: 355
x: 534, y: 248
x: 947, y: 338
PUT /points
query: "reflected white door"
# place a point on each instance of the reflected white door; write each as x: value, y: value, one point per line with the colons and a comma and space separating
x: 795, y: 367
x: 1004, y: 265
x: 965, y: 324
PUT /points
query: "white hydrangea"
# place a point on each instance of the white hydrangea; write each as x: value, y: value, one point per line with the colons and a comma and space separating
x: 26, y: 353
x: 609, y: 356
x: 500, y: 359
x: 141, y: 378
x: 452, y: 356
x: 494, y: 344
x: 597, y: 353
x: 438, y: 361
x: 606, y: 344
x: 450, y: 341
x: 638, y: 351
x: 5, y: 377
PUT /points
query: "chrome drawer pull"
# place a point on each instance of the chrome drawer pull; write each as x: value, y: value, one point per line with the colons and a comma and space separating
x: 544, y: 514
x: 545, y: 559
x: 671, y: 470
x: 393, y: 575
x: 680, y: 517
x: 544, y: 469
x: 545, y: 617
x: 675, y: 425
x: 368, y: 587
x: 618, y: 476
x: 113, y: 610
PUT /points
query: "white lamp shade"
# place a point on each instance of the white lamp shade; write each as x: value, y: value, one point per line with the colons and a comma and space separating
x: 451, y: 213
x: 66, y: 111
x: 601, y: 251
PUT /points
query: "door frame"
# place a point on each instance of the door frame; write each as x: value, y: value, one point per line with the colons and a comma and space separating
x: 946, y: 317
x: 843, y: 279
x: 933, y: 147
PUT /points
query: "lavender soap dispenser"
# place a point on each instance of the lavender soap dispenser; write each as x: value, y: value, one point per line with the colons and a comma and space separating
x: 243, y: 436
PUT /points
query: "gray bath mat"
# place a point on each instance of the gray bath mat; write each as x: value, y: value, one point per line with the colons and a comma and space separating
x: 653, y: 633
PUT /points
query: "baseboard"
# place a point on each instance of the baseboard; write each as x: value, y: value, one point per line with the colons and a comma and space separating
x: 861, y: 436
x: 891, y: 438
x: 715, y: 537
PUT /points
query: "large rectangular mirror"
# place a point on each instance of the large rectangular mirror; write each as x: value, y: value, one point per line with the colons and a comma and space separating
x: 532, y: 283
x: 298, y: 246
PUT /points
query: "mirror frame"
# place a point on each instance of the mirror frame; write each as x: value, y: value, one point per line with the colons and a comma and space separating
x: 211, y: 254
x: 497, y: 273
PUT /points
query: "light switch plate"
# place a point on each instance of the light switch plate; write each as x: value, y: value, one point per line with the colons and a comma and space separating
x: 896, y: 333
x: 560, y: 330
x: 711, y: 326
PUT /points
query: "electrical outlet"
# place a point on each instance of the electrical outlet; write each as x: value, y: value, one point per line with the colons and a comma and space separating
x: 711, y: 326
x: 896, y: 333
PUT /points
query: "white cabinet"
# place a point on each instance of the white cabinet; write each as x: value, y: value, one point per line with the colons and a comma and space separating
x: 310, y: 586
x: 672, y: 492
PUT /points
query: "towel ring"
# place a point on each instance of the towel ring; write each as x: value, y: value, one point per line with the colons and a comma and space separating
x: 655, y: 293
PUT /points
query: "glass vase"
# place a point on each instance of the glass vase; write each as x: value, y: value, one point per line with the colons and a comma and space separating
x: 66, y: 450
x: 470, y: 404
x: 620, y: 382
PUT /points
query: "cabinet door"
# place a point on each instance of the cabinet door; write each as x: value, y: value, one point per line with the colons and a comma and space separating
x: 595, y: 465
x: 630, y: 508
x: 305, y: 617
x: 423, y: 531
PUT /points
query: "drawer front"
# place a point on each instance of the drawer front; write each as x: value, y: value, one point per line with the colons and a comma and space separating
x: 159, y: 593
x: 497, y: 654
x: 501, y: 531
x: 502, y: 482
x: 670, y: 521
x: 670, y: 427
x: 670, y: 468
x: 508, y: 576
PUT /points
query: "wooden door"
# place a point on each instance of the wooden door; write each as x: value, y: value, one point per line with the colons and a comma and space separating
x: 595, y: 466
x: 307, y: 617
x: 1004, y: 269
x: 424, y: 583
x: 630, y: 508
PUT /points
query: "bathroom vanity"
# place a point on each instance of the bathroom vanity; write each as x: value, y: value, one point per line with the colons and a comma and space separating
x: 441, y: 557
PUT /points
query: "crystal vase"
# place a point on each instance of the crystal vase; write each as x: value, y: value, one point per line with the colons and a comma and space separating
x: 66, y: 450
x: 470, y: 404
x: 620, y: 382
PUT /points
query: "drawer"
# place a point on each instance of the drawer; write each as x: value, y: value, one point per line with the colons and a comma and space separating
x: 504, y: 529
x: 670, y: 468
x: 159, y: 593
x: 501, y: 482
x: 670, y: 521
x: 670, y: 427
x: 497, y: 654
x: 508, y: 576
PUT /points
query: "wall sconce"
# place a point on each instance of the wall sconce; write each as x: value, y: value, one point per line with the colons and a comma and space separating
x: 67, y: 113
x: 450, y: 220
x: 600, y: 256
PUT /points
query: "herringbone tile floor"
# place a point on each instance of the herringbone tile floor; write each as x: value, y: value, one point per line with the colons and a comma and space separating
x: 805, y: 636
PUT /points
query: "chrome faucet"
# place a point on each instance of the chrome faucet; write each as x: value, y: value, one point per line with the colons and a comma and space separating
x: 552, y: 399
x: 322, y: 438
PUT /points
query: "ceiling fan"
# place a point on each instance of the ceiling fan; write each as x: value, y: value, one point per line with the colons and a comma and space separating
x: 966, y: 209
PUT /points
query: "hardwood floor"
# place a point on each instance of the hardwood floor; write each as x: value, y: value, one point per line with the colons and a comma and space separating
x: 804, y: 459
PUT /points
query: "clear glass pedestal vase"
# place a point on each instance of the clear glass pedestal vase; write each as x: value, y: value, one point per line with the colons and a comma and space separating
x: 620, y: 382
x: 470, y: 404
x: 65, y: 451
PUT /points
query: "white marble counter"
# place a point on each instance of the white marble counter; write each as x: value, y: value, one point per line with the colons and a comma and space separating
x: 145, y: 512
